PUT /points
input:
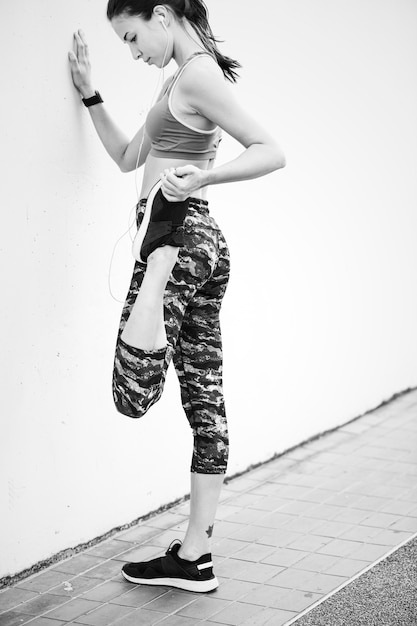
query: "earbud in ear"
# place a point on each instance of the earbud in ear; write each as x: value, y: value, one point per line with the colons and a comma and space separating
x: 161, y: 18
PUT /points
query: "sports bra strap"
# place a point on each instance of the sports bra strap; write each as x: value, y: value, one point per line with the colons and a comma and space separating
x: 183, y: 66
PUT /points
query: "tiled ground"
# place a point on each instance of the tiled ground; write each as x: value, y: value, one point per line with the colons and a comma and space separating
x: 287, y: 533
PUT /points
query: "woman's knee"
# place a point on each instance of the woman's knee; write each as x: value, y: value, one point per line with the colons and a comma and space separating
x: 132, y: 404
x: 138, y: 379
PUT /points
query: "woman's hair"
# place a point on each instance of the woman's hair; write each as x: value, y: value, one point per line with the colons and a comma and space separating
x: 196, y: 13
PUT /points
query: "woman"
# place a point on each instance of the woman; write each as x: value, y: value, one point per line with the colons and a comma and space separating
x: 182, y: 260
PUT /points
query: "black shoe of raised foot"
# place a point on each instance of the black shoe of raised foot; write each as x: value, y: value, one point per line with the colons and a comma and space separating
x: 173, y: 571
x: 162, y: 225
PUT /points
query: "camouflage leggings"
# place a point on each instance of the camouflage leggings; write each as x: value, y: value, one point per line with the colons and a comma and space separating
x: 192, y: 303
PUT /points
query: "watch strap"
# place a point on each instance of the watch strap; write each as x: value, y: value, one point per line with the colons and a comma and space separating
x: 96, y: 99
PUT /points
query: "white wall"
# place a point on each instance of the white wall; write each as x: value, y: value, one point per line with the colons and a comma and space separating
x: 319, y: 318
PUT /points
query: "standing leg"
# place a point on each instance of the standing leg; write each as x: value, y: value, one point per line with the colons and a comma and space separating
x: 198, y: 361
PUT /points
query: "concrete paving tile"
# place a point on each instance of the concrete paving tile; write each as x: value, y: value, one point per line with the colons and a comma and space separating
x: 254, y: 552
x: 139, y: 595
x: 111, y: 548
x: 380, y: 520
x: 277, y: 537
x: 264, y: 489
x: 250, y: 533
x: 339, y: 547
x: 362, y: 488
x: 292, y: 579
x: 344, y: 499
x: 351, y: 515
x: 281, y: 598
x: 308, y: 480
x: 324, y: 583
x: 226, y: 509
x: 164, y: 539
x: 331, y: 529
x: 285, y: 557
x: 347, y: 567
x: 297, y: 507
x: 107, y: 591
x: 302, y: 525
x: 293, y: 492
x: 317, y: 495
x: 41, y: 604
x: 400, y: 507
x: 230, y: 568
x: 139, y: 553
x: 309, y: 543
x: 104, y: 615
x: 370, y: 503
x: 270, y: 503
x: 42, y: 582
x: 274, y: 520
x: 323, y: 512
x: 226, y: 529
x: 73, y: 609
x: 44, y: 621
x: 243, y: 483
x: 204, y: 608
x: 369, y: 552
x: 317, y: 562
x: 141, y: 617
x: 358, y: 427
x: 74, y: 587
x: 178, y: 620
x: 235, y: 614
x: 247, y: 516
x: 11, y: 598
x: 78, y: 564
x: 13, y: 618
x: 390, y: 537
x: 269, y: 617
x: 166, y: 520
x: 171, y: 602
x: 138, y: 534
x: 257, y: 572
x: 227, y: 547
x: 234, y: 589
x: 408, y: 524
x: 105, y: 571
x: 245, y: 499
x: 363, y: 534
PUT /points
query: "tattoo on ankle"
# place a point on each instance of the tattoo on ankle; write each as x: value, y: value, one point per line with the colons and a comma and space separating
x: 209, y: 530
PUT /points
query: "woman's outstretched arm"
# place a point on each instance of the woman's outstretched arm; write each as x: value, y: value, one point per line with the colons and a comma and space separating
x: 123, y: 151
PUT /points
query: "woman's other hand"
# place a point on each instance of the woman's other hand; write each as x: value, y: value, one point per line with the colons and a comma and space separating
x: 80, y: 65
x: 179, y: 183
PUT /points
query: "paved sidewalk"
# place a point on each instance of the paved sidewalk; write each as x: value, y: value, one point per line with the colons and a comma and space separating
x: 287, y: 534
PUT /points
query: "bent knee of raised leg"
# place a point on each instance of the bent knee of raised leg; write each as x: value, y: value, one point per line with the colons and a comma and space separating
x: 135, y: 406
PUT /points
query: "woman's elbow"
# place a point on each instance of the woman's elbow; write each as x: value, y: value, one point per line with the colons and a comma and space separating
x: 279, y: 159
x: 125, y: 167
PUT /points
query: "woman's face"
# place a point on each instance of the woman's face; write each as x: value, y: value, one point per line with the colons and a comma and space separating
x: 147, y: 39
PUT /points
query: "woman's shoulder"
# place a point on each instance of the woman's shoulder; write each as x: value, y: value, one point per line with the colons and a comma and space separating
x: 202, y: 73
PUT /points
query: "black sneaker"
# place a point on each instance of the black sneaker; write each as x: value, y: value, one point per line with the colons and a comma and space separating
x: 162, y: 224
x: 174, y: 571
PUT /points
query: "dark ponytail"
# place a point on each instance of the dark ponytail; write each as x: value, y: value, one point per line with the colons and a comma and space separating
x: 195, y: 11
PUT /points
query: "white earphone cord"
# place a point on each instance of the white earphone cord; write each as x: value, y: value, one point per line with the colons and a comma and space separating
x: 131, y: 222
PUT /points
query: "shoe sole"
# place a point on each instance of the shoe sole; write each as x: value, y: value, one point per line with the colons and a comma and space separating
x: 140, y: 235
x: 202, y: 586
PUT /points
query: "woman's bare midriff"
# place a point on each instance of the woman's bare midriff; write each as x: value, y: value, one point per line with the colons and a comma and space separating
x: 154, y: 166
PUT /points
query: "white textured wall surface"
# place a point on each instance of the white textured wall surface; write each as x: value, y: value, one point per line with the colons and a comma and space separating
x: 319, y: 319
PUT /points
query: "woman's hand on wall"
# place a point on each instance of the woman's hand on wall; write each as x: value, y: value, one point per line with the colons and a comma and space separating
x: 80, y: 65
x: 179, y: 183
